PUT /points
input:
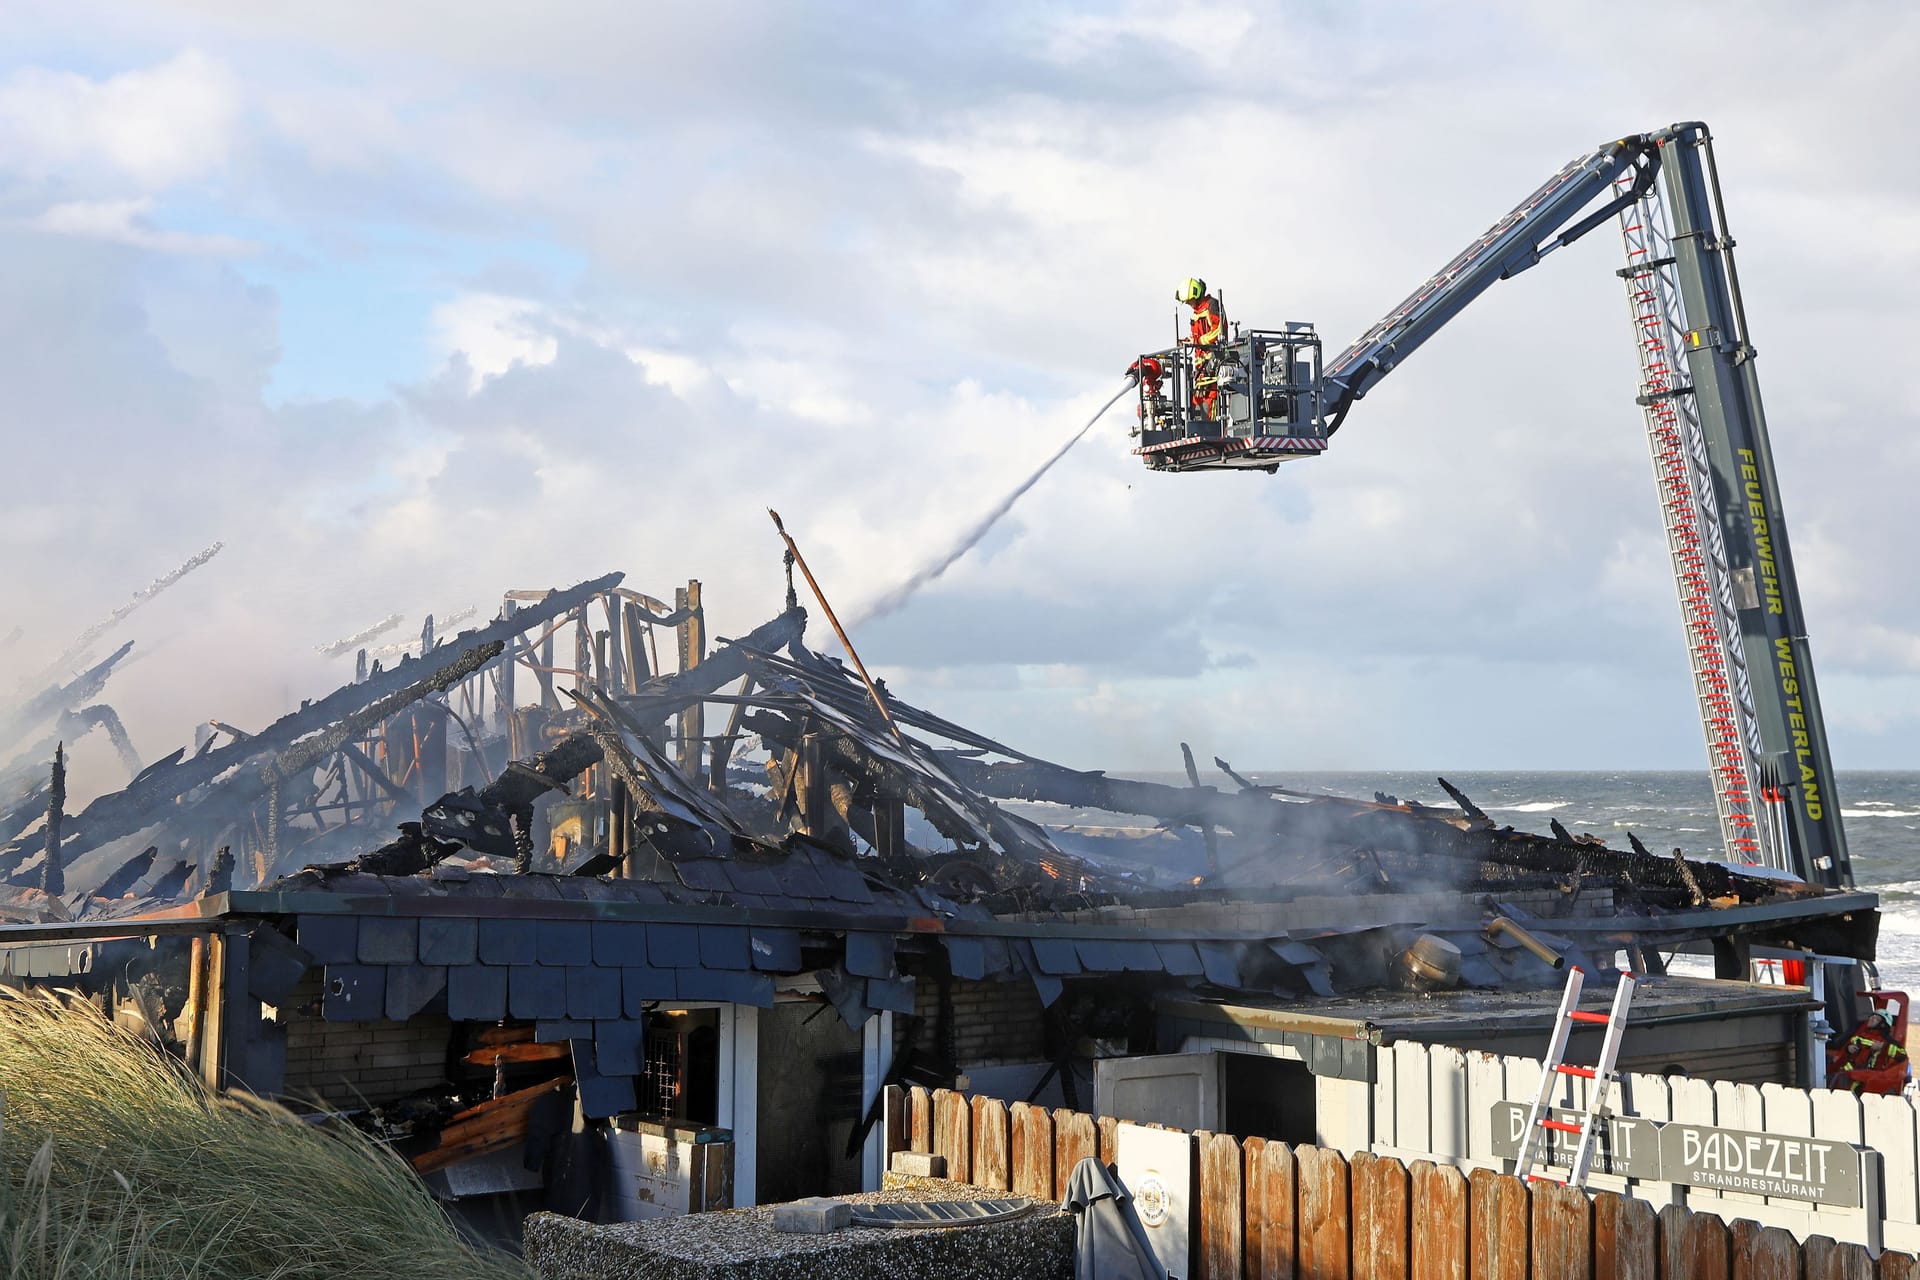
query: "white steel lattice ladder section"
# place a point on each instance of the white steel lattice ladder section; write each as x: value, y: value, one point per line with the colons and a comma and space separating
x: 1599, y: 1078
x: 1694, y: 541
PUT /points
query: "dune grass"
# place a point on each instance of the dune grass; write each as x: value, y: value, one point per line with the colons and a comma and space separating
x: 115, y: 1162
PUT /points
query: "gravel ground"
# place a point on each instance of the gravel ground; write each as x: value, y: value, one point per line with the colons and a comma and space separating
x: 741, y: 1244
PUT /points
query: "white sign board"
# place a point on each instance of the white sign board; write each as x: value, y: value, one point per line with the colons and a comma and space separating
x: 1156, y: 1166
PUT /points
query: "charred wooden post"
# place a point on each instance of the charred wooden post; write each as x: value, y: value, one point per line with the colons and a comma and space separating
x: 51, y: 880
x: 889, y: 828
x: 430, y: 749
x: 639, y: 670
x: 811, y: 785
x: 616, y: 640
x: 1206, y: 828
x: 583, y: 668
x: 620, y: 825
x: 220, y: 873
x: 723, y: 749
x: 503, y: 693
x: 692, y: 633
x: 543, y: 672
x: 196, y: 1002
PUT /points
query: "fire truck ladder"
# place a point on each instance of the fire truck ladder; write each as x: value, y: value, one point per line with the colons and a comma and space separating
x: 1599, y: 1078
x: 1689, y: 510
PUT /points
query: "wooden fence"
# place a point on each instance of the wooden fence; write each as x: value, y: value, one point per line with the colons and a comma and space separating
x: 1431, y: 1101
x: 1270, y: 1211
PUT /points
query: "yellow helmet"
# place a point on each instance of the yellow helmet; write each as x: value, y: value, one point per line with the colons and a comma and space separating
x: 1193, y: 290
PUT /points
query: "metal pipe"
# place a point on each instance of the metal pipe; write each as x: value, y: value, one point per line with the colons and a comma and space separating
x: 878, y: 704
x: 1501, y: 924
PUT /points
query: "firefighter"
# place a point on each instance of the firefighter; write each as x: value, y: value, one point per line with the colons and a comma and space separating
x: 1871, y: 1061
x: 1207, y: 329
x: 1149, y: 373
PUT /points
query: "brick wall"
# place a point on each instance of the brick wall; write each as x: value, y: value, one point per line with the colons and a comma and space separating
x: 347, y: 1064
x: 993, y: 1022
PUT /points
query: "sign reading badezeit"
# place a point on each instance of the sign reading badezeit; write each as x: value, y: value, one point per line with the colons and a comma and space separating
x: 1762, y: 1164
x: 1694, y: 1155
x: 1625, y: 1145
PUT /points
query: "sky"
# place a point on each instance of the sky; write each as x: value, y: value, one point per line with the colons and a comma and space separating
x: 412, y: 305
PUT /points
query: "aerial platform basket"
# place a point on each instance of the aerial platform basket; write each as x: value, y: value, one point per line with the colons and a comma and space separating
x: 1232, y: 453
x: 1246, y: 405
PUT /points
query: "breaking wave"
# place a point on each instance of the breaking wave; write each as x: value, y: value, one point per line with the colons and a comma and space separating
x: 1531, y: 806
x: 1880, y: 813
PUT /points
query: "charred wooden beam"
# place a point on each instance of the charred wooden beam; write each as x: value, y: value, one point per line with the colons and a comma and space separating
x: 130, y: 873
x: 485, y: 821
x: 874, y: 764
x: 51, y: 702
x: 1327, y: 822
x: 149, y: 797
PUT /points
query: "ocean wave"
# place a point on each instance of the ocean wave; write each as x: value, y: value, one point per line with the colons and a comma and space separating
x: 1880, y: 813
x: 1531, y: 806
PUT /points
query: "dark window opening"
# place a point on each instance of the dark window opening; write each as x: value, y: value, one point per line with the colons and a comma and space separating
x: 1263, y: 1097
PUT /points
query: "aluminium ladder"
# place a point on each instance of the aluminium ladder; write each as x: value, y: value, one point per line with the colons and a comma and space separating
x: 1599, y: 1078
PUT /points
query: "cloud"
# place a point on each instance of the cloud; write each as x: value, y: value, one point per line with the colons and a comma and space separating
x: 153, y: 127
x: 870, y: 267
x: 125, y: 222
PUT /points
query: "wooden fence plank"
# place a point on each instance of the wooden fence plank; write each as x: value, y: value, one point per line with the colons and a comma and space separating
x: 920, y: 1102
x: 992, y: 1164
x: 1764, y: 1253
x: 1221, y: 1208
x: 953, y: 1133
x: 1253, y: 1198
x: 1561, y: 1233
x: 1626, y: 1238
x: 1033, y: 1152
x: 1326, y: 1222
x: 1693, y: 1246
x: 1825, y: 1259
x: 1386, y: 1126
x: 1737, y: 1106
x: 1279, y: 1238
x: 1486, y: 1086
x: 1438, y: 1208
x: 1413, y: 1088
x: 1497, y: 1205
x: 1380, y: 1237
x: 1109, y: 1127
x: 1890, y: 1119
x: 1898, y: 1266
x: 899, y: 1124
x: 1447, y: 1116
x: 1649, y: 1097
x: 1074, y: 1139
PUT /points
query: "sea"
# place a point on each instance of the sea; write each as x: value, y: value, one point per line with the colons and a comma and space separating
x: 1880, y: 812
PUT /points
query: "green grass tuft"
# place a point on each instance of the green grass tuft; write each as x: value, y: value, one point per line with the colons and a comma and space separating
x: 115, y: 1162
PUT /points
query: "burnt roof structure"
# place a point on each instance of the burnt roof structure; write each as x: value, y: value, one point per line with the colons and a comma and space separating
x: 826, y: 809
